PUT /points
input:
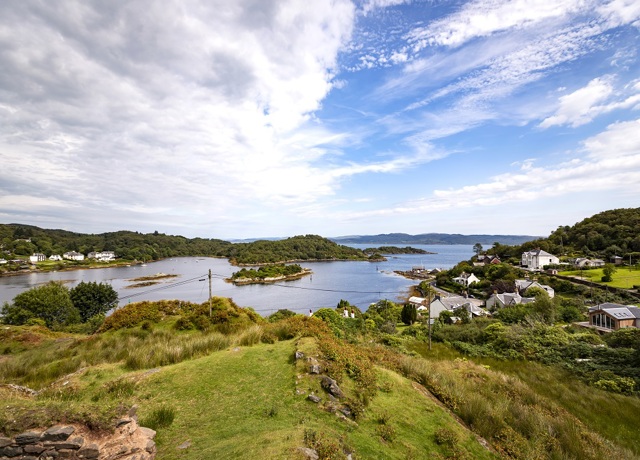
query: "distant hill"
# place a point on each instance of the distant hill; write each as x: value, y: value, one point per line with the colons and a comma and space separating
x: 433, y: 238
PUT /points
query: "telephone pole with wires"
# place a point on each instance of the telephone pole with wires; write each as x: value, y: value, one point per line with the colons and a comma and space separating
x: 209, y: 293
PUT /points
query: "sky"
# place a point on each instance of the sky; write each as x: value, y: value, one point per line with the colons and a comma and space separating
x: 271, y: 118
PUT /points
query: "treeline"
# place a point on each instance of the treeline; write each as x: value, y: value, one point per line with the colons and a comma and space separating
x: 24, y: 240
x: 267, y: 271
x: 604, y: 235
x: 307, y: 247
x: 395, y: 250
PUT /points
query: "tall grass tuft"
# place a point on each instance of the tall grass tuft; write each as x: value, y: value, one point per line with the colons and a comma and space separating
x: 251, y: 336
x: 160, y: 417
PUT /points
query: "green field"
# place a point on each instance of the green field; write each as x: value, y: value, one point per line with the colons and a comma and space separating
x: 624, y: 277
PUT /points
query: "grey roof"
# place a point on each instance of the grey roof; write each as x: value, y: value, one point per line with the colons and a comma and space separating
x: 617, y: 310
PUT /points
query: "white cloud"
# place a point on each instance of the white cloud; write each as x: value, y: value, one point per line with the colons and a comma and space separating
x: 611, y: 163
x: 482, y: 18
x: 584, y: 104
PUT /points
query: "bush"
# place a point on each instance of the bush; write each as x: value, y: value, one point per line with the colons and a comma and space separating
x: 446, y: 437
x: 161, y: 417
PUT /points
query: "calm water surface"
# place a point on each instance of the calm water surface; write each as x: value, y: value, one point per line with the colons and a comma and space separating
x: 361, y: 283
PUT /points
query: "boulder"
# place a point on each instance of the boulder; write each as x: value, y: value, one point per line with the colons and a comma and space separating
x: 314, y: 398
x: 331, y: 386
x: 299, y: 355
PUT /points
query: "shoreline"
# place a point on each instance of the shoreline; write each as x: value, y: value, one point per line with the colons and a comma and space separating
x: 275, y: 279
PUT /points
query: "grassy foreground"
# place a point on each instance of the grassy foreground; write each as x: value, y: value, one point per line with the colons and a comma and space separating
x: 624, y: 277
x: 235, y: 390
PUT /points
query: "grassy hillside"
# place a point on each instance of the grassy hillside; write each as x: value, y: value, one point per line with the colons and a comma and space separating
x: 233, y: 388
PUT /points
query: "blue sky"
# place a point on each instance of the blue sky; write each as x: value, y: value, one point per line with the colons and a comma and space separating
x: 260, y: 118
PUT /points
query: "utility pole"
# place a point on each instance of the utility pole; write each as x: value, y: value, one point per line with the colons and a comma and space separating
x: 209, y: 293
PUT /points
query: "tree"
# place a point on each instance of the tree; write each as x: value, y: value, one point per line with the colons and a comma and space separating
x: 607, y: 271
x: 93, y: 299
x: 477, y: 248
x: 50, y: 303
x: 409, y: 314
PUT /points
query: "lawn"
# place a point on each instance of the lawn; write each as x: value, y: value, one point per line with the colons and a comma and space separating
x: 624, y: 277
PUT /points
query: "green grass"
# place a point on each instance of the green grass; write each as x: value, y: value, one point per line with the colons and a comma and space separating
x: 624, y: 277
x: 242, y: 404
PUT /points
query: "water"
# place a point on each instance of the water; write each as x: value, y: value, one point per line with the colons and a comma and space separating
x: 361, y: 283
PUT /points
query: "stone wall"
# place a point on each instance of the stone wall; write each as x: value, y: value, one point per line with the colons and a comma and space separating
x: 128, y: 442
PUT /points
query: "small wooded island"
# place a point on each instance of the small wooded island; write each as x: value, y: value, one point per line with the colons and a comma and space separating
x: 396, y: 250
x: 269, y: 274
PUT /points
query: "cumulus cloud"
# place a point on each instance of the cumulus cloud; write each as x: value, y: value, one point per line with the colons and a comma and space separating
x: 196, y: 105
x: 584, y: 104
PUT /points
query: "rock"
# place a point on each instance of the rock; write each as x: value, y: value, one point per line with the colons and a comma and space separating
x: 34, y: 448
x: 133, y: 411
x: 10, y: 451
x: 30, y: 437
x: 314, y: 369
x: 5, y: 441
x: 66, y: 453
x: 314, y: 398
x: 92, y: 451
x: 331, y: 386
x: 184, y: 445
x: 311, y: 454
x: 123, y: 421
x: 148, y: 432
x: 346, y: 411
x: 150, y: 447
x: 299, y: 355
x: 57, y: 433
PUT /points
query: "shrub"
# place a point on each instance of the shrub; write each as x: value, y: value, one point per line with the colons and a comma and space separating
x: 446, y: 437
x: 160, y: 417
x: 386, y: 432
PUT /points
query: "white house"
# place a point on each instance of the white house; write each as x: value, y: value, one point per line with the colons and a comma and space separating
x: 466, y: 279
x: 506, y: 299
x: 103, y: 256
x: 73, y: 255
x: 537, y: 259
x: 55, y: 257
x: 582, y: 262
x: 37, y: 257
x: 523, y: 285
x: 440, y: 304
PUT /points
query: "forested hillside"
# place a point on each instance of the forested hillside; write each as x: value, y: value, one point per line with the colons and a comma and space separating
x: 24, y: 240
x: 606, y: 234
x: 307, y: 247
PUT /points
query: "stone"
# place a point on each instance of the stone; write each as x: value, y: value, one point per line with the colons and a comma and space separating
x: 346, y: 411
x: 308, y: 453
x: 57, y: 433
x: 28, y: 457
x: 10, y: 451
x: 66, y: 453
x: 91, y: 451
x: 148, y: 432
x: 314, y: 398
x: 133, y: 411
x: 75, y: 444
x: 5, y: 441
x: 299, y: 355
x: 331, y: 386
x: 123, y: 421
x: 315, y: 369
x: 184, y: 445
x: 150, y: 447
x: 34, y: 448
x: 30, y: 437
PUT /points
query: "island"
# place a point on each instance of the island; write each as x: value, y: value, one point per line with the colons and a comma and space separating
x: 396, y: 250
x: 144, y: 281
x: 268, y: 274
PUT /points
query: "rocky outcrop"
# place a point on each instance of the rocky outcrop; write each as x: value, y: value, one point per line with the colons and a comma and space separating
x: 75, y: 442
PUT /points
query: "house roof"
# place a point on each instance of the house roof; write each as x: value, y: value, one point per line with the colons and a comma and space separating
x: 616, y: 310
x: 539, y: 252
